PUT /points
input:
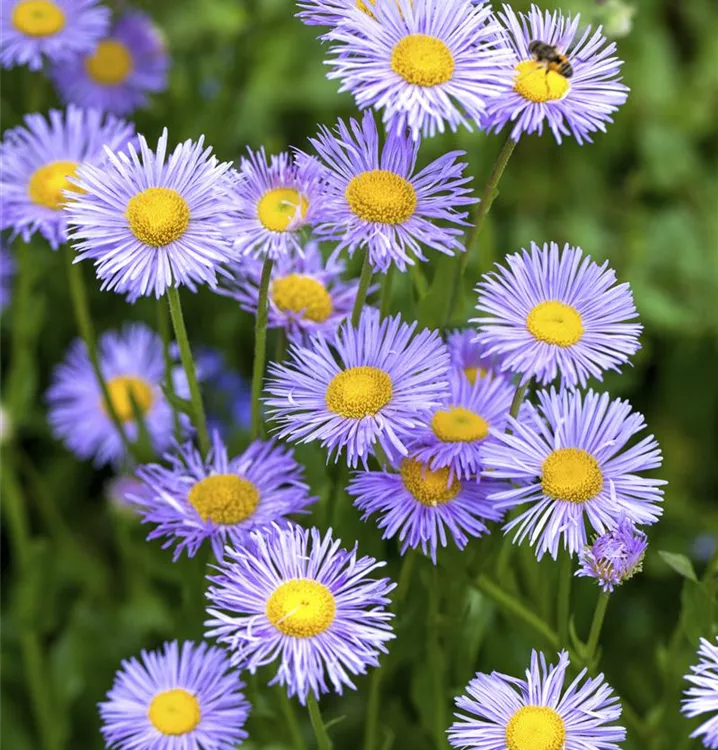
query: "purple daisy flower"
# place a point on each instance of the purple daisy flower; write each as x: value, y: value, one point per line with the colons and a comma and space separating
x: 371, y: 384
x: 298, y: 596
x: 58, y: 30
x: 702, y: 696
x: 118, y: 74
x: 218, y: 498
x: 133, y: 367
x: 180, y: 697
x: 375, y: 200
x: 501, y: 711
x: 419, y: 506
x: 568, y: 457
x: 40, y: 160
x: 556, y: 312
x: 575, y: 96
x: 150, y: 223
x: 7, y: 274
x: 466, y: 356
x: 425, y: 63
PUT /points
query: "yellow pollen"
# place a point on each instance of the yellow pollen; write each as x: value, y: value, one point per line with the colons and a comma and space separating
x: 282, y: 209
x: 537, y: 84
x: 303, y: 294
x: 158, y: 216
x: 174, y: 712
x: 571, y: 474
x: 363, y: 6
x: 38, y: 18
x: 458, y: 425
x: 381, y: 196
x: 47, y: 183
x: 110, y: 64
x: 475, y: 373
x: 301, y: 608
x: 120, y: 389
x: 555, y: 323
x: 535, y: 728
x: 428, y: 487
x: 359, y: 392
x: 224, y: 499
x: 422, y: 60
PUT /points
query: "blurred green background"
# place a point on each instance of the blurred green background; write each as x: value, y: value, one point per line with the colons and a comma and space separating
x: 644, y: 196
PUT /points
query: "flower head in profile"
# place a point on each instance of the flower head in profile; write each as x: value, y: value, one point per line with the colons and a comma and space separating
x: 556, y: 312
x: 466, y: 355
x: 375, y: 199
x: 702, y: 695
x: 32, y: 31
x: 502, y: 712
x: 178, y: 697
x: 371, y: 384
x: 7, y: 274
x: 40, y: 159
x: 569, y: 460
x: 120, y: 71
x: 150, y: 221
x: 222, y: 499
x: 571, y: 83
x: 295, y: 596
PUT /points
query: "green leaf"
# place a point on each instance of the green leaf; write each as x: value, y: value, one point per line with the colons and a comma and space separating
x: 178, y: 403
x: 697, y: 605
x: 680, y: 563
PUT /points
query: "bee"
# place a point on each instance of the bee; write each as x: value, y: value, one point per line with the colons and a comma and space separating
x: 551, y: 58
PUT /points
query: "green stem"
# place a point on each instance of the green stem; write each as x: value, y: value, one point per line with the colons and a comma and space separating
x: 385, y: 303
x: 364, y: 281
x: 21, y: 348
x: 518, y: 399
x: 281, y: 348
x: 596, y: 624
x: 564, y: 596
x: 339, y: 502
x: 163, y: 324
x: 372, y: 711
x: 405, y: 575
x: 436, y: 665
x: 200, y: 420
x: 260, y: 348
x: 323, y: 741
x: 291, y: 720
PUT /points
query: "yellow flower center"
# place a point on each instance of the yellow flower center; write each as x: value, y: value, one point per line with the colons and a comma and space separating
x: 363, y: 6
x: 535, y: 728
x: 428, y: 487
x: 127, y: 388
x: 174, y: 712
x: 359, y: 392
x: 475, y: 373
x: 110, y: 63
x: 301, y: 608
x: 38, y: 18
x: 282, y: 209
x: 537, y: 84
x: 459, y: 425
x: 303, y: 294
x: 555, y: 323
x: 422, y: 60
x: 381, y: 196
x: 224, y: 499
x: 571, y: 474
x: 47, y: 183
x: 157, y: 216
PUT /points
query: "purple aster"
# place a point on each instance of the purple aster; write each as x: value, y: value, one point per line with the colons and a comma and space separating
x: 149, y: 221
x: 41, y: 157
x: 615, y: 556
x: 702, y: 696
x: 375, y: 200
x: 219, y: 498
x: 120, y: 71
x: 425, y: 63
x: 58, y: 30
x: 180, y: 697
x: 569, y: 460
x: 466, y: 356
x: 577, y: 104
x: 371, y: 384
x: 7, y: 274
x: 502, y: 712
x: 556, y: 312
x: 298, y: 597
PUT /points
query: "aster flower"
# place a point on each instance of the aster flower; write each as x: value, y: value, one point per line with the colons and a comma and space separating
x: 702, y: 696
x: 7, y: 273
x: 556, y: 312
x: 218, y: 498
x: 118, y: 73
x: 371, y: 384
x: 58, y: 30
x: 466, y: 356
x: 375, y: 200
x: 569, y: 458
x: 297, y: 596
x: 133, y: 367
x: 180, y: 697
x: 578, y: 104
x: 330, y: 12
x: 150, y: 223
x: 425, y: 63
x: 41, y: 157
x: 500, y: 711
